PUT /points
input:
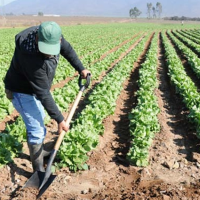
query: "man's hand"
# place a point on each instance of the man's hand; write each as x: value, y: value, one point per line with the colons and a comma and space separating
x: 62, y: 126
x: 84, y: 73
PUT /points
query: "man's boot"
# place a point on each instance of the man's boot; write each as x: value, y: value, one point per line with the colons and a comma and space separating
x: 47, y: 148
x: 46, y: 152
x: 37, y: 157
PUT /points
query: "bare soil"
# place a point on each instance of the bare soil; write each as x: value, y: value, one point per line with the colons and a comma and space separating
x: 174, y: 159
x: 28, y: 20
x: 23, y: 21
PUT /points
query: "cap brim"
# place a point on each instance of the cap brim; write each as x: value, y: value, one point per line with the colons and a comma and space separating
x: 50, y: 49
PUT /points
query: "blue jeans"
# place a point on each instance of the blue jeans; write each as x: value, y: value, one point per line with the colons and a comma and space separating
x: 33, y: 114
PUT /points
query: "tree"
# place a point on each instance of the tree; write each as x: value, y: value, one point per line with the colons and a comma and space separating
x: 154, y: 12
x: 149, y: 7
x: 159, y: 8
x: 134, y: 12
x: 40, y: 14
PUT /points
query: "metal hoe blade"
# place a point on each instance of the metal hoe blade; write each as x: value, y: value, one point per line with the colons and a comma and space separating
x: 37, y: 179
x: 48, y: 173
x: 46, y: 185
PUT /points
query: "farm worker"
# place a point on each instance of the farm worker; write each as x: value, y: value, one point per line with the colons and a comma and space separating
x: 29, y: 78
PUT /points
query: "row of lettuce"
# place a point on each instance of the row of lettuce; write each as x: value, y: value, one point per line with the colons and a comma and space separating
x: 84, y: 134
x: 144, y: 122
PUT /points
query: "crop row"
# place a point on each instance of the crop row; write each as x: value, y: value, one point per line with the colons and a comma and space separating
x: 143, y: 119
x: 184, y: 85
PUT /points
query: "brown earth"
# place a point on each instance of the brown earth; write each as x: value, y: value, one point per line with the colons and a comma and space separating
x: 23, y: 21
x: 26, y: 20
x: 174, y: 156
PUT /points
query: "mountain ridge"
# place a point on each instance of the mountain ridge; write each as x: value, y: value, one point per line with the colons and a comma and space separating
x: 111, y: 8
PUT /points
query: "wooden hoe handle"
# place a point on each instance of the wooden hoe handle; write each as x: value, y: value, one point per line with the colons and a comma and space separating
x: 71, y: 113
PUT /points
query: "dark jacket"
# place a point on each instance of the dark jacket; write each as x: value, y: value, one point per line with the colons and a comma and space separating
x: 32, y: 73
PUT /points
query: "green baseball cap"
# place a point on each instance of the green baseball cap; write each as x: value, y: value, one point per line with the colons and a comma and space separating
x: 49, y: 35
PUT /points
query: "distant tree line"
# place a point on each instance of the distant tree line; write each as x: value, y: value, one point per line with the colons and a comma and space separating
x: 154, y: 12
x: 183, y: 18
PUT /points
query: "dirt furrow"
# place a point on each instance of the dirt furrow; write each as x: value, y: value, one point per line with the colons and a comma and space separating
x: 171, y: 139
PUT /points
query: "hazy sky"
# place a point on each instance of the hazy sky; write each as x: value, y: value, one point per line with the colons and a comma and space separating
x: 5, y: 2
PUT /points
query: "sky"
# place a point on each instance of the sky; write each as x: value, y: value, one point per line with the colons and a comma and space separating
x: 5, y: 2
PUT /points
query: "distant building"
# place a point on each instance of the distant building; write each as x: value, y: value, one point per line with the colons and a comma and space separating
x: 49, y: 15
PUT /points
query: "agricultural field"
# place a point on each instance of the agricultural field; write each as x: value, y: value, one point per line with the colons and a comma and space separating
x: 136, y: 130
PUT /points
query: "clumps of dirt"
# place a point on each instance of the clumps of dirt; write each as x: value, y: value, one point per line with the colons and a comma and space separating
x: 25, y: 193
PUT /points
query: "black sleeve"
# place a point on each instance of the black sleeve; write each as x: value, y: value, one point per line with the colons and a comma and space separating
x: 38, y: 78
x: 69, y: 53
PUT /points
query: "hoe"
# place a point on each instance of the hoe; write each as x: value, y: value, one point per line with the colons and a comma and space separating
x: 42, y: 180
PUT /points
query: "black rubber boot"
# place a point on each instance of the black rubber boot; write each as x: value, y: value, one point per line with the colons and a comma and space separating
x: 37, y: 156
x: 46, y: 153
x: 47, y: 148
